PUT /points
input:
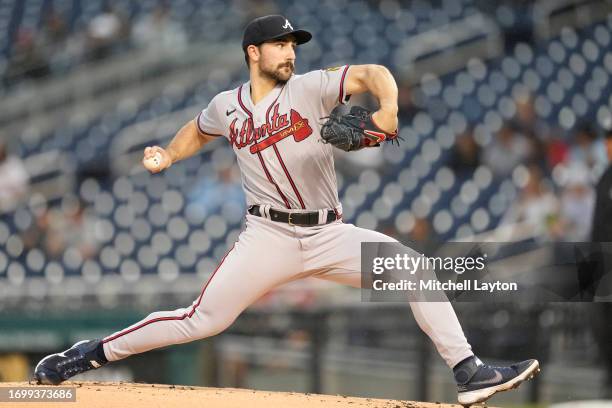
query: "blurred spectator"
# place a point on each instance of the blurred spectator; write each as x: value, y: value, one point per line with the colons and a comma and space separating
x: 62, y: 48
x: 54, y: 31
x: 577, y: 202
x: 14, y: 180
x: 36, y: 235
x: 105, y: 33
x: 27, y: 60
x: 536, y: 150
x: 536, y: 205
x: 79, y: 227
x: 422, y: 238
x: 54, y: 240
x: 59, y: 229
x: 157, y: 32
x: 602, y: 227
x: 388, y: 228
x: 506, y: 152
x: 515, y: 18
x: 557, y: 150
x: 526, y: 118
x: 404, y: 101
x: 602, y: 232
x: 589, y: 149
x: 465, y: 156
x: 534, y: 130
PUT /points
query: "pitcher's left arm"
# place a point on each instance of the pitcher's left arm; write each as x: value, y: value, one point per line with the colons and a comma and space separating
x: 377, y: 80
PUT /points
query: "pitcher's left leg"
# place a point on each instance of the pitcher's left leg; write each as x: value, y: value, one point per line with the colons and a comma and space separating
x: 337, y: 253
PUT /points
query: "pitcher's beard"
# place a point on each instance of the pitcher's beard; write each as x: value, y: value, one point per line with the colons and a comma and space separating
x: 280, y: 75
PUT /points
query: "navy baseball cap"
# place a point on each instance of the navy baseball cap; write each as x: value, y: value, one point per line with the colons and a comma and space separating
x: 271, y: 27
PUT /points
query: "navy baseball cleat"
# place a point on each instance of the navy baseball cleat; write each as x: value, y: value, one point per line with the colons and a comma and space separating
x: 477, y: 382
x: 82, y: 356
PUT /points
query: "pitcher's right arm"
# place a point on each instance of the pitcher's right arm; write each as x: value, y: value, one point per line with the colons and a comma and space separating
x: 187, y: 142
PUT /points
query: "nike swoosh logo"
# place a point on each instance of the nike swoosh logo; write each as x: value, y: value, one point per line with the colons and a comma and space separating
x: 227, y: 113
x: 495, y: 380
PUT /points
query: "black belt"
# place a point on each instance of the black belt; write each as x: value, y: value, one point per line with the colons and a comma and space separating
x: 304, y: 219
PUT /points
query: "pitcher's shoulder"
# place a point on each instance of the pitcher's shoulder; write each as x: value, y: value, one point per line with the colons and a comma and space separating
x: 230, y: 93
x: 307, y: 79
x: 319, y: 74
x: 224, y: 98
x: 306, y: 75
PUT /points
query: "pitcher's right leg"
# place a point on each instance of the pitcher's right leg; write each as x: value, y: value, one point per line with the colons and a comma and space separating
x: 246, y: 273
x: 210, y: 313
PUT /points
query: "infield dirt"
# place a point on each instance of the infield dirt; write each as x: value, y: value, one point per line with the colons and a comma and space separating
x: 130, y: 395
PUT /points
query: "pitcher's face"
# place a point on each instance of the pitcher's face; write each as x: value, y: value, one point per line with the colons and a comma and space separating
x: 277, y: 58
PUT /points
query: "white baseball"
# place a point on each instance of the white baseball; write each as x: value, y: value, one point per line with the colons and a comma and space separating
x: 154, y: 162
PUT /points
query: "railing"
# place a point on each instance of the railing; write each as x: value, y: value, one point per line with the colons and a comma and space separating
x: 51, y: 176
x: 552, y: 15
x: 449, y: 47
x: 521, y: 231
x: 97, y: 88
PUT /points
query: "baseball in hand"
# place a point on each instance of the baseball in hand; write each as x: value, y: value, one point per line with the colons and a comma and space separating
x: 153, y: 163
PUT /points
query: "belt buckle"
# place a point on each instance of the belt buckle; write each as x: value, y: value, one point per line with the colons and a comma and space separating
x: 289, y: 219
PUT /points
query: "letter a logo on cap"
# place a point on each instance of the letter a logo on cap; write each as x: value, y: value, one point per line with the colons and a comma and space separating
x: 288, y: 24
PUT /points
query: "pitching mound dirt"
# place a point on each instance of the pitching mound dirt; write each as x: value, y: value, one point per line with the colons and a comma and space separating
x: 129, y: 395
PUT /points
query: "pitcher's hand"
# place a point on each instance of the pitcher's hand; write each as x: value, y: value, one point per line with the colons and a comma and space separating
x: 156, y: 159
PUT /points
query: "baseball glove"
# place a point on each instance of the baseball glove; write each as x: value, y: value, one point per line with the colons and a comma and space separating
x: 354, y: 130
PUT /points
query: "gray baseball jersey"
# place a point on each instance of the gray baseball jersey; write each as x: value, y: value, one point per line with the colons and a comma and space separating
x: 278, y: 142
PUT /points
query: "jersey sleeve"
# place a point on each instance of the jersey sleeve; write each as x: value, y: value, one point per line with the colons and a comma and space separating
x: 332, y: 86
x: 209, y: 121
x: 328, y: 85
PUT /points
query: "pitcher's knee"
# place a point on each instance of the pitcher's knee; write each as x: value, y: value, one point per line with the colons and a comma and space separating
x: 188, y: 326
x: 208, y: 324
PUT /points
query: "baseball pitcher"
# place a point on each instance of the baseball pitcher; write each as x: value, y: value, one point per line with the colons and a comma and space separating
x: 285, y: 156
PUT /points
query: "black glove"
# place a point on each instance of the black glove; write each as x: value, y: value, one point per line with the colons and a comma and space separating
x: 354, y: 131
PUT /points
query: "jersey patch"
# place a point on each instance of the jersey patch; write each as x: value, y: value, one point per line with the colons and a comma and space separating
x: 298, y: 128
x: 332, y: 69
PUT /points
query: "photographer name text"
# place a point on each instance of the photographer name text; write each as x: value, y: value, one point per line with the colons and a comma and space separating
x: 436, y: 285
